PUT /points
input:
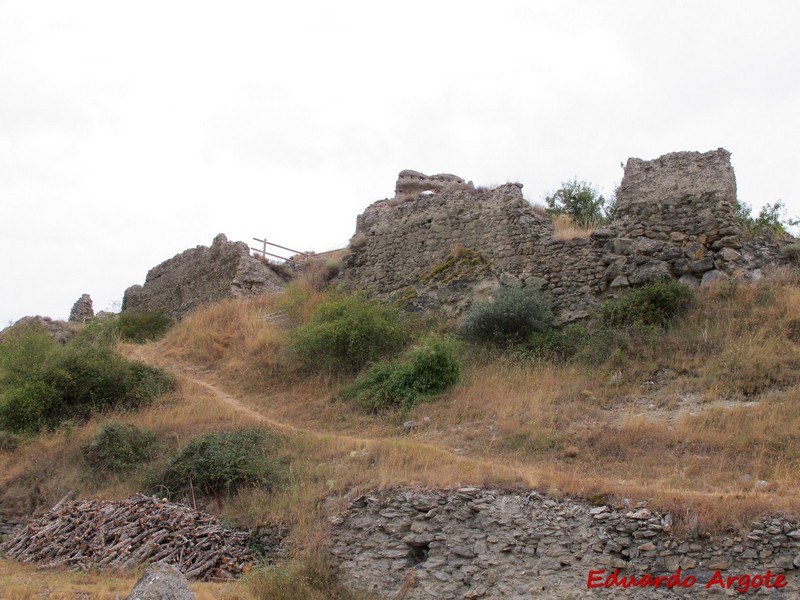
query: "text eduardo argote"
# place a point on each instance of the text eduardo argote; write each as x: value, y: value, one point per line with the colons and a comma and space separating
x: 599, y: 578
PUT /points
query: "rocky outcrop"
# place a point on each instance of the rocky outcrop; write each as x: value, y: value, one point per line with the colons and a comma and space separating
x: 161, y: 582
x: 82, y: 310
x: 492, y: 543
x: 201, y: 275
x: 60, y: 331
x: 674, y: 220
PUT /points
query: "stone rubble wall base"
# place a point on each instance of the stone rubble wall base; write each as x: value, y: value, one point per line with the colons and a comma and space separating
x: 490, y: 543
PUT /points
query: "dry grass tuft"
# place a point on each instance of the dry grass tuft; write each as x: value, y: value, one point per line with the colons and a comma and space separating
x: 565, y: 229
x: 27, y: 582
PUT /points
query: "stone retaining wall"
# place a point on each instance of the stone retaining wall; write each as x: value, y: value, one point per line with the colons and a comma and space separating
x: 7, y: 528
x: 513, y: 545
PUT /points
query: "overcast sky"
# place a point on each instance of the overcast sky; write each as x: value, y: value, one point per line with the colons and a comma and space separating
x: 130, y: 131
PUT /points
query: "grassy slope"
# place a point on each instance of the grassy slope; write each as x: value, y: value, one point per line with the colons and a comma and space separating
x: 702, y: 422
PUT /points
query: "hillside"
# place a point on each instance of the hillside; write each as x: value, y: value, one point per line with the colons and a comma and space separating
x: 475, y: 399
x: 698, y: 419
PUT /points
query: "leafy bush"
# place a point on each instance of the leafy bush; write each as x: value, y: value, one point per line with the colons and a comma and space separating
x: 221, y: 462
x: 560, y: 343
x: 512, y: 315
x: 9, y: 441
x: 636, y: 318
x: 140, y: 327
x: 582, y: 202
x: 98, y: 332
x: 656, y: 303
x: 346, y: 333
x: 43, y: 384
x: 792, y: 252
x: 771, y: 217
x: 118, y: 447
x: 428, y: 369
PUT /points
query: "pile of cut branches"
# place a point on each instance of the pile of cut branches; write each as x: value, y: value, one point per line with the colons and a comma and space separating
x: 121, y: 535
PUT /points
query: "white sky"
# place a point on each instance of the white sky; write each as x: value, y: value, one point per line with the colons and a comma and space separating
x: 130, y: 131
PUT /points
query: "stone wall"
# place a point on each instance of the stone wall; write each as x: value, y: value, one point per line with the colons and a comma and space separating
x: 82, y: 310
x: 201, y: 275
x: 7, y: 527
x: 514, y: 545
x: 412, y: 183
x: 674, y: 219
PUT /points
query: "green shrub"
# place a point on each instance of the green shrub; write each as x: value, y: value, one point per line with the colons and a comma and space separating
x: 512, y: 315
x: 582, y: 202
x: 43, y: 384
x: 560, y: 343
x: 118, y: 447
x: 427, y: 370
x: 140, y: 327
x: 655, y: 304
x: 98, y: 332
x: 221, y: 462
x: 636, y: 318
x: 25, y: 356
x: 9, y: 441
x: 792, y: 252
x: 771, y: 218
x: 346, y: 333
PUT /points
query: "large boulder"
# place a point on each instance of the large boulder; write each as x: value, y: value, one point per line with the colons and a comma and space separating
x: 201, y: 275
x: 161, y: 582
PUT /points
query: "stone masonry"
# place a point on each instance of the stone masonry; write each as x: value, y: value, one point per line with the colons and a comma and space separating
x: 201, y: 275
x: 82, y: 309
x: 498, y: 544
x: 411, y: 184
x: 674, y: 220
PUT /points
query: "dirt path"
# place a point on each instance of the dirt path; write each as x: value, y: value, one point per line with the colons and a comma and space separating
x: 150, y: 355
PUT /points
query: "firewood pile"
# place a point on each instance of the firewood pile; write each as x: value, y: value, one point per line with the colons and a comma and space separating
x: 121, y: 535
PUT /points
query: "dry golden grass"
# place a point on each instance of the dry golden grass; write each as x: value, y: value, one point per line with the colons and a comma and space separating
x: 608, y: 430
x: 565, y: 229
x: 26, y: 582
x: 715, y: 440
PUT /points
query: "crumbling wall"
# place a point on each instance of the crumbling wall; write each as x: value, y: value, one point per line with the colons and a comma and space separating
x: 201, y: 275
x: 674, y: 219
x: 82, y: 309
x: 412, y: 183
x: 398, y: 242
x: 490, y: 543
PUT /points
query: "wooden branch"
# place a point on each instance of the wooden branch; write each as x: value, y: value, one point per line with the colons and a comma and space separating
x: 98, y: 533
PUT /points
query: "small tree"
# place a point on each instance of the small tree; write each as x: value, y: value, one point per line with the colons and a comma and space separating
x: 771, y: 217
x: 582, y: 202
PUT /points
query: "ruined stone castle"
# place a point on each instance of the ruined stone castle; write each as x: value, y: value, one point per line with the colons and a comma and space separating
x: 674, y: 219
